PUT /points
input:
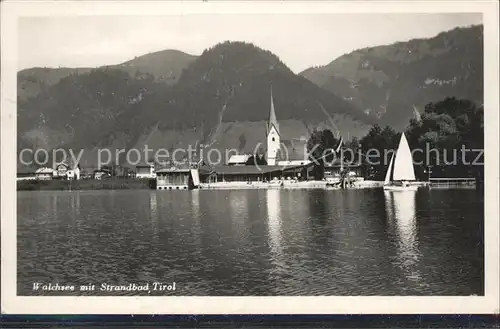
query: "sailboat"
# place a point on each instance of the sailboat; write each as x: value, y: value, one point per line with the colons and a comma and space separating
x: 400, y: 172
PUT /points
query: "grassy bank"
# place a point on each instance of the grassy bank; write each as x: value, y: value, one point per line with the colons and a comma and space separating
x: 86, y: 184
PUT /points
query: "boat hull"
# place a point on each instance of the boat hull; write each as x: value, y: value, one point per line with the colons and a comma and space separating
x: 400, y: 188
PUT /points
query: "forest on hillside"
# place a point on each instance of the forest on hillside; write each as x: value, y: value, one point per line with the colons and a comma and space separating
x: 390, y: 81
x: 453, y: 127
x: 229, y: 82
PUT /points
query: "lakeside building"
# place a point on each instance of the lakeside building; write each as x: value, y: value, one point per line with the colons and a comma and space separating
x: 335, y: 169
x: 251, y: 174
x: 65, y: 171
x: 239, y: 160
x: 176, y: 178
x: 61, y: 171
x: 145, y: 170
x: 44, y: 173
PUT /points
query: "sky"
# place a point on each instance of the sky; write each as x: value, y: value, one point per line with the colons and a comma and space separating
x: 299, y: 40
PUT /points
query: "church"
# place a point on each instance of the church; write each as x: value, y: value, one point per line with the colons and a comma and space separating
x: 246, y: 168
x: 242, y: 170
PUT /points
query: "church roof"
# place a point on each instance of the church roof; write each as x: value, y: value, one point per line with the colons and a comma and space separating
x: 238, y: 159
x: 249, y: 170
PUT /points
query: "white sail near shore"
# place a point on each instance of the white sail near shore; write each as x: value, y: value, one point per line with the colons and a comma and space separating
x: 389, y: 171
x: 403, y: 164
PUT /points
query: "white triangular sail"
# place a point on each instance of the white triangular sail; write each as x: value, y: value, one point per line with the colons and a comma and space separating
x: 403, y: 164
x: 389, y: 170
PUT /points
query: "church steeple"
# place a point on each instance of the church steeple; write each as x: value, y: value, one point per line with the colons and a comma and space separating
x: 273, y: 135
x: 272, y: 116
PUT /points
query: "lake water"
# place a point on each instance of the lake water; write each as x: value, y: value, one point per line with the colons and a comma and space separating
x: 254, y: 242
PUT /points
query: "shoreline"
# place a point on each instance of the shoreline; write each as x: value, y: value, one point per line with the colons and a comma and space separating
x: 150, y: 184
x: 87, y: 184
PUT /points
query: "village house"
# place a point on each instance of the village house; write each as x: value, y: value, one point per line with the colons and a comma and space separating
x: 101, y: 173
x: 67, y: 171
x: 145, y: 170
x: 60, y: 170
x: 86, y: 173
x: 44, y: 173
x: 73, y: 173
x: 333, y: 170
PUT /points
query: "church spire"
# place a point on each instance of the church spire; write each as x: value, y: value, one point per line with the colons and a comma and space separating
x: 272, y: 116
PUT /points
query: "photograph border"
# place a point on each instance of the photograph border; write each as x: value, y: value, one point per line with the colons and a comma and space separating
x: 13, y: 304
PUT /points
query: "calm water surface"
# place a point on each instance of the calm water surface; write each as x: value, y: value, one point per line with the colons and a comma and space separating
x: 255, y: 242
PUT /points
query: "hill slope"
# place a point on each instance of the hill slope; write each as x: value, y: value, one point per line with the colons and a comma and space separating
x: 165, y: 66
x: 387, y: 81
x: 222, y: 99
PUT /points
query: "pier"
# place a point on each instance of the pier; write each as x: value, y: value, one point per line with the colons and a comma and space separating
x: 452, y: 182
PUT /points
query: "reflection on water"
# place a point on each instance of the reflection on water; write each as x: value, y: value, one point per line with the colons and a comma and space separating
x: 238, y: 202
x: 274, y: 225
x: 54, y: 209
x: 401, y: 212
x: 255, y: 242
x: 153, y: 210
x: 238, y: 205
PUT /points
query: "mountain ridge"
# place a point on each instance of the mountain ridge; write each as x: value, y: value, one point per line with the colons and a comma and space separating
x: 165, y: 65
x: 388, y: 81
x: 227, y: 85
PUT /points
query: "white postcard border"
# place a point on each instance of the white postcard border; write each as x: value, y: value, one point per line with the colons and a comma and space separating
x: 12, y: 304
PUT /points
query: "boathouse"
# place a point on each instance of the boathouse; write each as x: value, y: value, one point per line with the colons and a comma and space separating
x: 177, y: 178
x: 334, y: 170
x: 251, y: 174
x: 145, y: 170
x: 241, y: 169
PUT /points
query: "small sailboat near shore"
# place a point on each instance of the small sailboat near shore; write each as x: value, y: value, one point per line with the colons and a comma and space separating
x: 401, y: 173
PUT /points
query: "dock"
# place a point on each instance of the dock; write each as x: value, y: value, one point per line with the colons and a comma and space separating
x: 448, y: 182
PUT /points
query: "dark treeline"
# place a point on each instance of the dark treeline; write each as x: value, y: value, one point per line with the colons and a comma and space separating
x: 447, y: 140
x: 228, y: 82
x: 391, y: 79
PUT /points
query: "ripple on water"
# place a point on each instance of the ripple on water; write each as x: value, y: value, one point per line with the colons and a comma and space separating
x: 255, y: 242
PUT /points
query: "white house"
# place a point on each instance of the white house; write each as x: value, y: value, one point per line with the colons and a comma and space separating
x: 44, y: 173
x: 61, y: 170
x: 145, y: 170
x: 73, y: 173
x: 238, y: 160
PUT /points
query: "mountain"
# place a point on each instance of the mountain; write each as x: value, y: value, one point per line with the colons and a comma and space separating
x: 165, y: 66
x: 389, y: 81
x: 79, y: 108
x: 30, y: 82
x: 222, y: 99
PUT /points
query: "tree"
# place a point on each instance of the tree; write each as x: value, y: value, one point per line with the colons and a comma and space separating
x: 320, y: 146
x: 376, y: 148
x: 448, y: 126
